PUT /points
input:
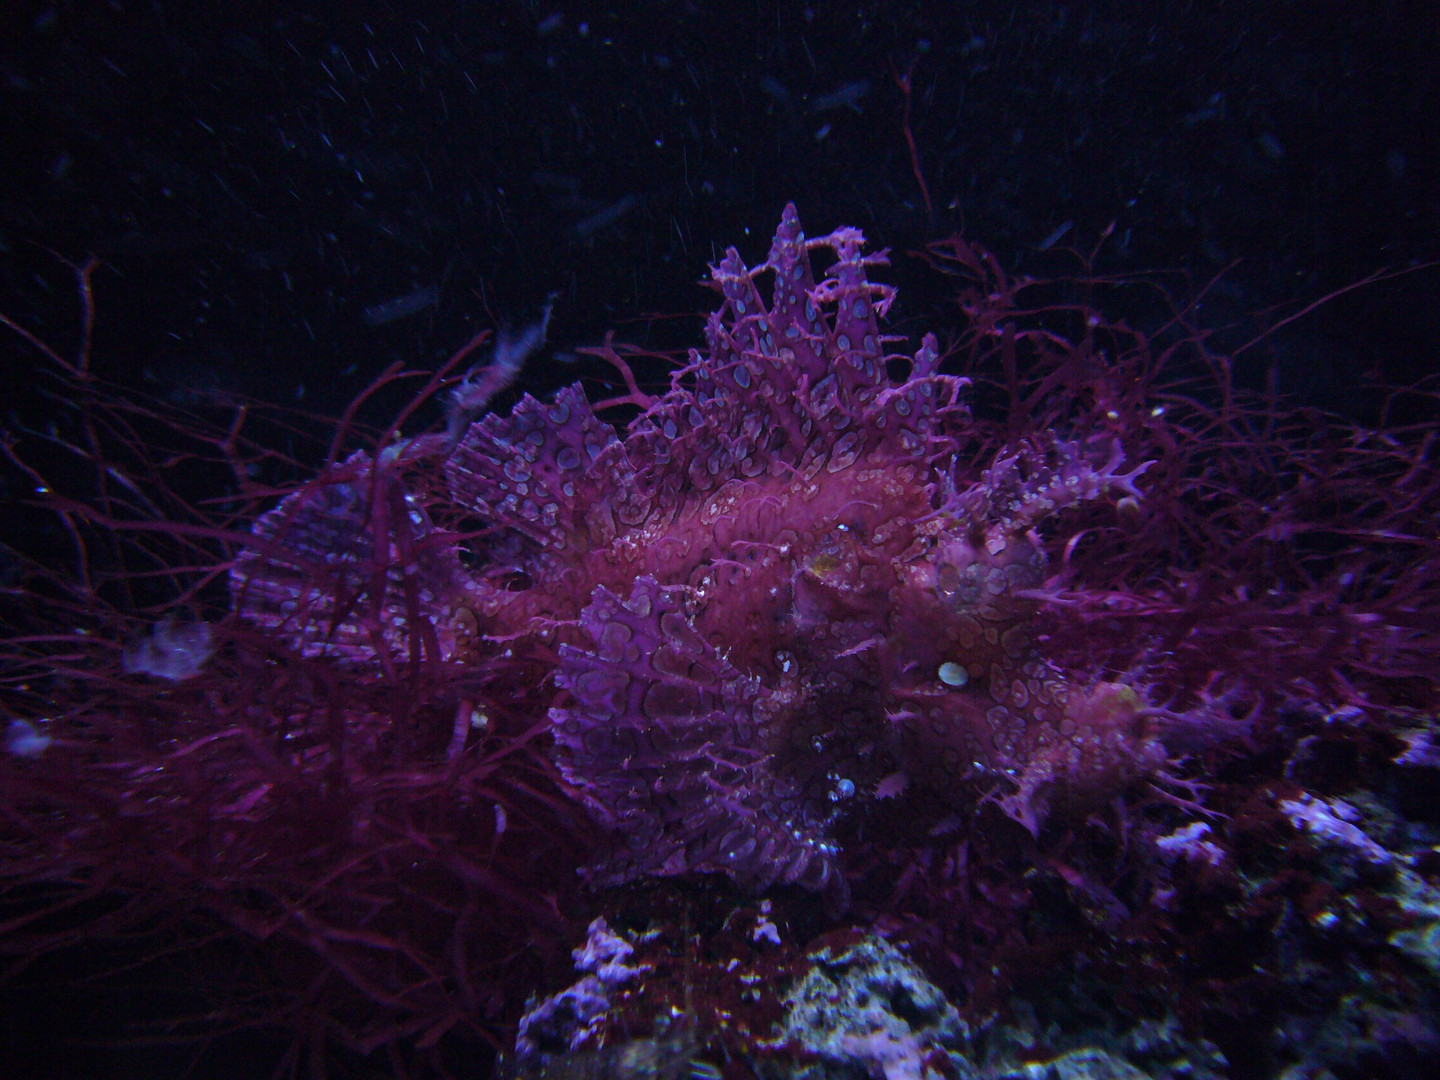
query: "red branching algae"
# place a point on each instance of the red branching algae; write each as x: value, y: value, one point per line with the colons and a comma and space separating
x: 819, y: 615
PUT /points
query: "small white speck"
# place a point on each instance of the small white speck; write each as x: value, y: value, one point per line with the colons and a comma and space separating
x: 953, y: 674
x: 24, y: 741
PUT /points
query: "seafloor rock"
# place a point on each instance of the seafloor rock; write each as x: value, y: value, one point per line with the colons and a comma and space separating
x: 864, y: 1010
x: 853, y: 1007
x: 1087, y: 1064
